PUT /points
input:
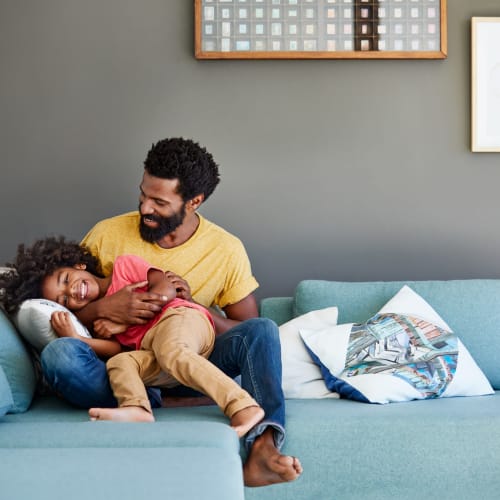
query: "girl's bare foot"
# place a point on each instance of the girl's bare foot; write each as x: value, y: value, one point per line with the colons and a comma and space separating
x: 242, y: 421
x: 122, y: 414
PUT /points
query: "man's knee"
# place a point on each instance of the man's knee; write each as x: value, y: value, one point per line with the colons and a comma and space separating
x: 262, y: 330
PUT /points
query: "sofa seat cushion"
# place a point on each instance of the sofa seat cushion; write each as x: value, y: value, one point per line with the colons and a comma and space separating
x: 127, y: 473
x: 51, y: 422
x: 414, y: 450
x: 173, y: 433
x: 186, y: 453
x: 471, y: 309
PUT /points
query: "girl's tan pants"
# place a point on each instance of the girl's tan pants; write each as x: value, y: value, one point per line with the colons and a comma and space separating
x: 179, y: 345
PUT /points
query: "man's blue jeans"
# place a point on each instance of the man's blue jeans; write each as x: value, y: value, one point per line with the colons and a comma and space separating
x: 250, y: 349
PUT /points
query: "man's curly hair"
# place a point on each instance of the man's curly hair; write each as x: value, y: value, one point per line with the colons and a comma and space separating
x: 186, y: 160
x: 34, y: 263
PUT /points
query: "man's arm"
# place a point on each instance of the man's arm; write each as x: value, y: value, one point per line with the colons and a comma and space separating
x: 126, y: 306
x: 235, y: 313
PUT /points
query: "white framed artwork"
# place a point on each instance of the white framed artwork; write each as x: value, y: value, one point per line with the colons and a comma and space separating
x: 485, y: 84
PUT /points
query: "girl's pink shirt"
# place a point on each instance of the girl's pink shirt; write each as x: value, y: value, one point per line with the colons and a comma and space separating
x: 129, y: 269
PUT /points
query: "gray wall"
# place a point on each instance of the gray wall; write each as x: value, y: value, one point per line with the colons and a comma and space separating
x: 350, y: 170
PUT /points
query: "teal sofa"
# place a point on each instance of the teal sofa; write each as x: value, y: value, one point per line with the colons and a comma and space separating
x: 442, y: 448
x: 50, y: 450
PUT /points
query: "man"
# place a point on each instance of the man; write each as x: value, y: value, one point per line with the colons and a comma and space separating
x: 209, y: 266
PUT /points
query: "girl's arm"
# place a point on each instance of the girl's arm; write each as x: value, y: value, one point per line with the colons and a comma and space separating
x: 161, y: 284
x: 104, y: 348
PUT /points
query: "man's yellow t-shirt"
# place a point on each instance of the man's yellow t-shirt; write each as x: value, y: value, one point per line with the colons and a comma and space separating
x: 213, y: 262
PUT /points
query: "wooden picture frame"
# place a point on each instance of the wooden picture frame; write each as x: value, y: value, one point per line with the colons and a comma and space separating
x: 320, y: 29
x: 485, y: 84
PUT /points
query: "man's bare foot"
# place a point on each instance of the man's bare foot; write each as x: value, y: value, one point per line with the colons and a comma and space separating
x: 266, y: 465
x: 122, y: 414
x: 242, y: 421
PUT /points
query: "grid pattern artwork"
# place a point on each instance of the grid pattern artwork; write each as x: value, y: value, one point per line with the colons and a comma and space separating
x: 320, y: 26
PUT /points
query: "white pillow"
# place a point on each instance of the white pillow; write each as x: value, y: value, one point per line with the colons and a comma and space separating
x: 301, y: 376
x: 384, y: 360
x: 33, y: 322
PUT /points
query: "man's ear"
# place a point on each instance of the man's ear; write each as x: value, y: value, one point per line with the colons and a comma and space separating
x: 81, y: 266
x: 195, y: 202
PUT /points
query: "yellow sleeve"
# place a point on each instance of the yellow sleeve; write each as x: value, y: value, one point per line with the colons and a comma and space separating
x: 240, y: 281
x: 93, y: 240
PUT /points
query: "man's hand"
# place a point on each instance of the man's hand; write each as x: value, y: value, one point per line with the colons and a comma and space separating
x: 105, y: 328
x: 126, y: 306
x: 181, y: 286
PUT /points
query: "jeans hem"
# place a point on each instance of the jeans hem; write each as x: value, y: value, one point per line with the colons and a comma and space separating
x: 255, y: 432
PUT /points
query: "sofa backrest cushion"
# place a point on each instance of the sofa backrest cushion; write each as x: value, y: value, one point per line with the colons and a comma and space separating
x: 17, y: 366
x: 470, y: 307
x: 6, y: 400
x: 279, y: 309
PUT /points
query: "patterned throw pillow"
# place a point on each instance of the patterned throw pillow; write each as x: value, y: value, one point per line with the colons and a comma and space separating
x: 404, y: 352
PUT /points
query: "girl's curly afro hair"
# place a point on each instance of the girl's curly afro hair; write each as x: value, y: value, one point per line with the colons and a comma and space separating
x: 34, y: 263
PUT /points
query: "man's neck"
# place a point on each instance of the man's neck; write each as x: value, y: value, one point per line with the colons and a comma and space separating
x: 182, y: 233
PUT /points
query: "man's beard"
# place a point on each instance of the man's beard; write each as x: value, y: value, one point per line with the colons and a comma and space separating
x: 166, y: 225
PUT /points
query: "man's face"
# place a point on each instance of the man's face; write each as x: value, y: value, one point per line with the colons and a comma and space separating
x: 162, y: 209
x: 154, y: 227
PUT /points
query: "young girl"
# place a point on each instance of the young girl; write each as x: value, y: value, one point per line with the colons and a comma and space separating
x: 177, y: 341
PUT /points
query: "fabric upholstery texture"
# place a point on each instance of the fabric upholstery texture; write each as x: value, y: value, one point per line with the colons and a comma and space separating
x: 110, y: 473
x: 187, y: 453
x: 17, y: 366
x: 443, y: 448
x: 6, y: 400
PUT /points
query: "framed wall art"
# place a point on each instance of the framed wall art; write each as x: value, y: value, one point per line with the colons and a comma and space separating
x: 320, y: 29
x: 485, y: 85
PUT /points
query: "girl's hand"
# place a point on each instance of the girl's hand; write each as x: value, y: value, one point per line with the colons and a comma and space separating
x: 62, y: 324
x: 181, y: 286
x: 105, y: 328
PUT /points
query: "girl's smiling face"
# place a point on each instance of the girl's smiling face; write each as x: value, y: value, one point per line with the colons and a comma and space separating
x: 72, y: 287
